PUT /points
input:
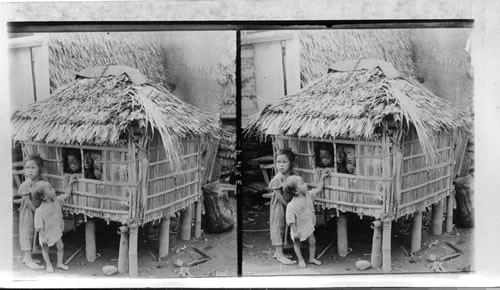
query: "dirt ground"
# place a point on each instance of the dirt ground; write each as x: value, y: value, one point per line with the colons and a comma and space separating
x: 222, y: 248
x: 258, y: 251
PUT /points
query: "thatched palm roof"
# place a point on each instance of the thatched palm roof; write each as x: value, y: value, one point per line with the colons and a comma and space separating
x: 354, y: 100
x: 319, y: 49
x: 103, y: 105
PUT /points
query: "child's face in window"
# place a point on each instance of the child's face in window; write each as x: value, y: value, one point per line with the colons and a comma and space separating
x: 349, y: 155
x: 325, y: 157
x: 74, y: 163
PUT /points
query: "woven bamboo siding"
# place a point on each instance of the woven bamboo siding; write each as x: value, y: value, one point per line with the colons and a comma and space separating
x: 107, y: 199
x: 362, y: 193
x: 170, y: 191
x: 422, y: 184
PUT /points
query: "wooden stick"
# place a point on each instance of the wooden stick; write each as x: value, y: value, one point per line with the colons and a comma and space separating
x: 200, y: 252
x: 454, y: 247
x: 416, y: 232
x: 448, y: 257
x: 437, y: 218
x: 326, y: 249
x: 132, y: 250
x: 186, y: 216
x: 74, y: 254
x: 376, y: 256
x: 90, y: 244
x: 287, y: 230
x: 386, y: 245
x: 449, y: 214
x: 342, y: 242
x: 197, y: 218
x: 123, y: 250
x: 164, y: 237
x: 196, y: 262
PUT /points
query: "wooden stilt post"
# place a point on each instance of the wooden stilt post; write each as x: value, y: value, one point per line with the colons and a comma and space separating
x: 90, y: 245
x: 132, y: 250
x: 386, y: 245
x: 437, y: 218
x: 197, y: 224
x: 449, y: 214
x: 342, y: 243
x: 123, y: 250
x: 186, y: 217
x: 416, y: 232
x: 376, y: 257
x: 164, y: 237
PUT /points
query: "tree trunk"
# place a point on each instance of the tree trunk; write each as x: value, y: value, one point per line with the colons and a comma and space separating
x: 464, y: 196
x: 218, y: 210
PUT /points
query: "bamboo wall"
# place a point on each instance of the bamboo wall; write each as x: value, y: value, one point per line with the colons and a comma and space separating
x: 109, y: 198
x: 422, y: 184
x: 171, y: 190
x: 363, y: 192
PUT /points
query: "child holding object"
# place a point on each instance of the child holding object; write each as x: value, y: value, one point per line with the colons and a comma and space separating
x: 33, y: 172
x: 279, y: 200
x: 49, y: 221
x: 300, y: 215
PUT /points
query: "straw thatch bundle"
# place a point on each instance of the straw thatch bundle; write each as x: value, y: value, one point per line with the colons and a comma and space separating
x: 354, y: 101
x: 103, y: 105
x: 71, y: 52
x: 319, y: 49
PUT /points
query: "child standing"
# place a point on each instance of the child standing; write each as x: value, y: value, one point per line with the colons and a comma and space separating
x: 33, y: 172
x: 300, y: 216
x: 279, y: 200
x: 49, y: 221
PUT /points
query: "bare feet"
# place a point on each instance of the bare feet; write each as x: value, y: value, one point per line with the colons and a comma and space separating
x: 32, y: 265
x: 302, y: 264
x: 62, y: 266
x: 49, y: 269
x: 285, y: 261
x: 284, y: 255
x: 315, y: 261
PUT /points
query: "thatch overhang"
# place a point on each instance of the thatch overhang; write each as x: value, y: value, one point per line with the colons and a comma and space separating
x: 356, y: 100
x: 102, y: 106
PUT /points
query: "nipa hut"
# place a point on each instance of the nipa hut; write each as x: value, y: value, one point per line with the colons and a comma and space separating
x: 139, y: 150
x: 393, y: 141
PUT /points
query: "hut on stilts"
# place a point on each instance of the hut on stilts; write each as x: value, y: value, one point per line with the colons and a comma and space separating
x: 397, y: 137
x: 145, y: 146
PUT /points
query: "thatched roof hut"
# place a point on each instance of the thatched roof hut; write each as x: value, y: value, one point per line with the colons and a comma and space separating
x: 319, y: 49
x: 356, y: 99
x: 104, y: 104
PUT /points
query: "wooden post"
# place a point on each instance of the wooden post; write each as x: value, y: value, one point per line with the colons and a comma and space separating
x: 449, y: 214
x: 197, y: 224
x: 123, y: 250
x: 386, y: 246
x: 416, y: 232
x: 164, y: 237
x: 376, y: 257
x: 437, y: 218
x: 186, y: 216
x: 90, y: 247
x: 132, y: 250
x: 342, y: 243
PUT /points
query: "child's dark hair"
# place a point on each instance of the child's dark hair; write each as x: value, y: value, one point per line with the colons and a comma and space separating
x: 289, y: 188
x: 36, y: 158
x: 39, y: 190
x: 289, y: 154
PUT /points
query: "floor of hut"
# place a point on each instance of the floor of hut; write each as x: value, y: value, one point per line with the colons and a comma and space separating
x: 222, y: 248
x: 257, y: 249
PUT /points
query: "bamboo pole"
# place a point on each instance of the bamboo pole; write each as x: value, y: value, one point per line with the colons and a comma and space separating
x: 164, y: 237
x: 449, y: 214
x: 342, y: 241
x: 376, y: 257
x: 197, y: 225
x: 437, y: 218
x: 386, y: 245
x: 416, y: 232
x: 123, y: 250
x: 132, y: 250
x: 90, y: 245
x: 186, y: 216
